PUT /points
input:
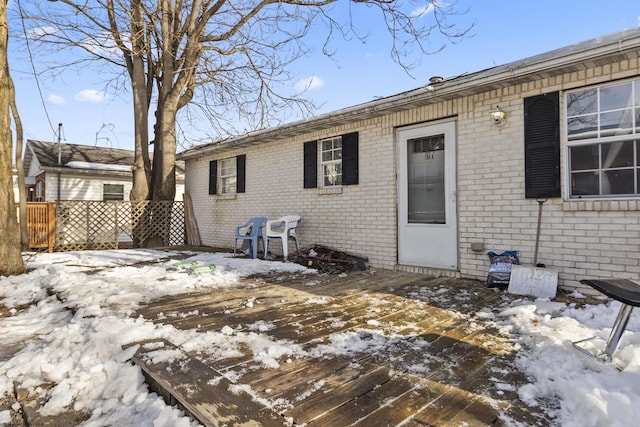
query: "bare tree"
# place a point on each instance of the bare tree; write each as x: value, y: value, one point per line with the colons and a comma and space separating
x: 22, y: 187
x: 224, y: 57
x: 141, y: 69
x: 10, y: 255
x: 116, y: 38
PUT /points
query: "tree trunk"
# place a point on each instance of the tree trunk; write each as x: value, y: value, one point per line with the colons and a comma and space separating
x: 141, y: 189
x: 22, y: 186
x: 164, y: 150
x: 164, y: 154
x: 142, y: 164
x: 10, y: 255
x: 141, y: 90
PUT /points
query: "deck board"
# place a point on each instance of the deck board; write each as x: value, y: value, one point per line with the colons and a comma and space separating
x: 201, y: 391
x: 323, y: 403
x: 362, y: 406
x: 439, y: 362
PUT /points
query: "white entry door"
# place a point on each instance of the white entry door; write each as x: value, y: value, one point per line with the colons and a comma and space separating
x: 427, y: 214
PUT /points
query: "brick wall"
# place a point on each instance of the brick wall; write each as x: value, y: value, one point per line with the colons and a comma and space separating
x: 359, y: 219
x: 579, y: 238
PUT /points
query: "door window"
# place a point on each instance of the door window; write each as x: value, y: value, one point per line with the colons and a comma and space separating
x: 426, y: 191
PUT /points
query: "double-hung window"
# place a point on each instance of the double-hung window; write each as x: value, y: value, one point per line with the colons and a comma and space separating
x: 112, y: 192
x: 603, y: 138
x: 228, y: 176
x: 331, y: 161
x: 337, y: 163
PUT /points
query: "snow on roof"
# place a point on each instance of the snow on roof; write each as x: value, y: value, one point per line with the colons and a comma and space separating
x: 98, y: 166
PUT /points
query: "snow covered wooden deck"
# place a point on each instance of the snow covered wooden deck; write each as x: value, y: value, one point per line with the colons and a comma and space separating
x: 375, y: 348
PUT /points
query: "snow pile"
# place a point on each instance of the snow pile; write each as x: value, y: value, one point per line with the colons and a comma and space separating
x: 591, y: 393
x: 77, y: 345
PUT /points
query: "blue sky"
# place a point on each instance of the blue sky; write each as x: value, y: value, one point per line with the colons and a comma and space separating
x: 504, y: 31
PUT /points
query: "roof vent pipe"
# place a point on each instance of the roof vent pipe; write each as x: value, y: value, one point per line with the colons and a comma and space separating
x: 59, y: 144
x: 435, y: 79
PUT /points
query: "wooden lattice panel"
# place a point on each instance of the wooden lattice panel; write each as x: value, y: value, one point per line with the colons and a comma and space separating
x: 107, y: 225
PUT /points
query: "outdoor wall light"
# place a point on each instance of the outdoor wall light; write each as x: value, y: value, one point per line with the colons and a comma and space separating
x: 498, y: 117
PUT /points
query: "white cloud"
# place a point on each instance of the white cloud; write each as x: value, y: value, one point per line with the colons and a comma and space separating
x: 425, y: 10
x: 310, y: 83
x: 56, y: 99
x: 89, y: 95
x: 36, y: 33
x: 103, y: 44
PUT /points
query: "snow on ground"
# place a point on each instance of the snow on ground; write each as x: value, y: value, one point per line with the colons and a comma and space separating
x: 80, y: 345
x: 591, y: 393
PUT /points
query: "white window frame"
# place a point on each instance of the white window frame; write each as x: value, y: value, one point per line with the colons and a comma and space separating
x: 602, y: 136
x: 331, y: 163
x: 227, y: 175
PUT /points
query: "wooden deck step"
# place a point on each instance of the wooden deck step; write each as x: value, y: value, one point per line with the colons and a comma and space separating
x: 203, y: 393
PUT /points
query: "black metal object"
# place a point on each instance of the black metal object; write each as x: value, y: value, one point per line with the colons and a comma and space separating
x: 628, y: 293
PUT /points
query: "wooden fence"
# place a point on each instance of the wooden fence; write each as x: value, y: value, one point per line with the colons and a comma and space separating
x: 81, y: 225
x: 110, y: 225
x: 41, y: 225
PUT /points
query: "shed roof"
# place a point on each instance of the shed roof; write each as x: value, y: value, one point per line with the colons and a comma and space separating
x: 47, y: 155
x: 611, y: 48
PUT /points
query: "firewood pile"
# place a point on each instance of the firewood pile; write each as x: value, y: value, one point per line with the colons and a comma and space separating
x: 328, y: 260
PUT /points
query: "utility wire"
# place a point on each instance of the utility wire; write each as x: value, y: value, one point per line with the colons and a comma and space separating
x: 33, y: 68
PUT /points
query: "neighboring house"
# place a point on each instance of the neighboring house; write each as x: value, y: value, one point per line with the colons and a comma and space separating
x: 431, y: 179
x: 29, y: 181
x: 82, y: 172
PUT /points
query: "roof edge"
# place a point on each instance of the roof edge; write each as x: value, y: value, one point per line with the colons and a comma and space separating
x: 599, y: 47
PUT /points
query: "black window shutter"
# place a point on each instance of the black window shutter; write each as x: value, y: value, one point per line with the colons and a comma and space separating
x: 311, y: 164
x: 542, y: 145
x: 241, y: 168
x: 213, y: 177
x: 350, y: 159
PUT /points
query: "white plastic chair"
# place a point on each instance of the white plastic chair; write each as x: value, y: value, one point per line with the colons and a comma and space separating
x: 284, y: 229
